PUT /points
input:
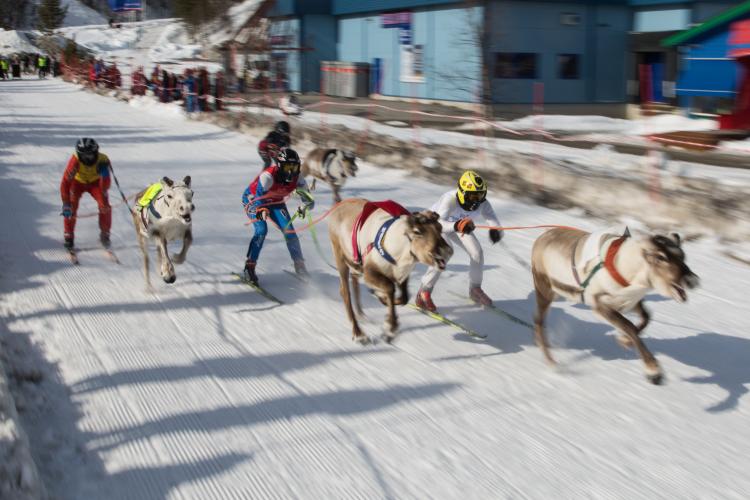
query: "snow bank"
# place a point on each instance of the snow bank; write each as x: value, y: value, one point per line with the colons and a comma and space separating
x: 220, y: 31
x: 173, y: 44
x: 600, y: 124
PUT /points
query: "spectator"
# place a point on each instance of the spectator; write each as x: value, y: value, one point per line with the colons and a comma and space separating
x: 43, y: 65
x: 15, y: 67
x: 165, y: 86
x: 219, y: 90
x: 189, y: 88
x: 3, y: 68
x: 204, y: 89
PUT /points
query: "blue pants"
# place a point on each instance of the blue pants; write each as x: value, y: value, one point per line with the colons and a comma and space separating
x: 190, y: 103
x: 280, y: 215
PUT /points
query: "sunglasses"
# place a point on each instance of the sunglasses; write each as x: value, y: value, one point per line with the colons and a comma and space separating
x: 289, y: 167
x: 475, y: 196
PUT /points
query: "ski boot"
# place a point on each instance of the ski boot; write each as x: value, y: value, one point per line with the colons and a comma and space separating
x: 104, y: 239
x: 424, y: 300
x: 249, y: 273
x: 300, y: 269
x: 477, y: 295
x: 68, y: 243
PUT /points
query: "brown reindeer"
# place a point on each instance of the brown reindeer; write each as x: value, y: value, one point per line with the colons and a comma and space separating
x: 333, y: 166
x: 624, y: 269
x: 383, y: 249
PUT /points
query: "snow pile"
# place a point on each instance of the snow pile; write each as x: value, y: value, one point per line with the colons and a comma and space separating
x: 104, y: 41
x: 13, y: 41
x: 173, y: 44
x: 600, y: 124
x: 79, y: 14
x: 152, y: 106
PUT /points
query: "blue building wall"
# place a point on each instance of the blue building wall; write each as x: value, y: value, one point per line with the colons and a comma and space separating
x: 451, y: 69
x: 706, y: 70
x: 281, y: 57
x: 318, y: 33
x: 599, y: 41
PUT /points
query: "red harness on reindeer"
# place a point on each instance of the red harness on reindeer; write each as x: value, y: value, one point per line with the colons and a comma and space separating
x: 389, y: 206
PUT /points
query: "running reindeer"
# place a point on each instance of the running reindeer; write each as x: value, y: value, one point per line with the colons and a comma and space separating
x: 332, y: 166
x: 163, y: 214
x: 612, y: 274
x: 400, y: 238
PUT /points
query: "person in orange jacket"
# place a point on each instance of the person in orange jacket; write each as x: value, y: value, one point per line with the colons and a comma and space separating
x: 87, y: 172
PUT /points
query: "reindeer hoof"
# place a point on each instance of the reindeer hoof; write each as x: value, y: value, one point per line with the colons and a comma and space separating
x: 656, y: 378
x: 361, y: 339
x: 170, y: 279
x: 388, y: 338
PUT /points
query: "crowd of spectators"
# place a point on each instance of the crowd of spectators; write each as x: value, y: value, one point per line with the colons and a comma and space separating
x: 194, y: 87
x: 15, y: 65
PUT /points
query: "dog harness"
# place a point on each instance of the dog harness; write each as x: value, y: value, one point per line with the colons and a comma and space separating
x: 390, y: 207
x: 608, y: 263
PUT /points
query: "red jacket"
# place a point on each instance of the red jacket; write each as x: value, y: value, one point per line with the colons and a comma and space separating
x: 85, y: 174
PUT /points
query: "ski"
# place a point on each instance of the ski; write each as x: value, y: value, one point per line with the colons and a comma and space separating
x: 258, y: 289
x: 111, y: 255
x: 439, y: 317
x: 495, y: 309
x: 73, y: 256
x: 305, y: 280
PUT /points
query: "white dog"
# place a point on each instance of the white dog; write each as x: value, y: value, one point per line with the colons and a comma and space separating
x: 164, y: 213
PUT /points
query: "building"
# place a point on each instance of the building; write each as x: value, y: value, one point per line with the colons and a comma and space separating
x: 714, y: 72
x: 302, y: 34
x: 652, y: 66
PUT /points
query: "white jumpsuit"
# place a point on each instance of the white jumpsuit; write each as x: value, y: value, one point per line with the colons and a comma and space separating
x: 450, y: 211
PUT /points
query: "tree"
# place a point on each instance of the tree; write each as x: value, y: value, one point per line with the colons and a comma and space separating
x: 51, y: 15
x: 13, y: 13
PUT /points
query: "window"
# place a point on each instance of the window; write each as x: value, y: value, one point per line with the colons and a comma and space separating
x: 569, y: 66
x: 515, y: 65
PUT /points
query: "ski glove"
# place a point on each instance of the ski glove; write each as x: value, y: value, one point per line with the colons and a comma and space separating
x: 464, y: 226
x: 67, y: 211
x: 261, y: 214
x: 496, y: 235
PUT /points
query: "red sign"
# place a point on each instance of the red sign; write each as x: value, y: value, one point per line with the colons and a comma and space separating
x: 396, y: 20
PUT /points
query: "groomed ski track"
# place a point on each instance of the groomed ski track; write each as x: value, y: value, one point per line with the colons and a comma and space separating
x: 205, y: 389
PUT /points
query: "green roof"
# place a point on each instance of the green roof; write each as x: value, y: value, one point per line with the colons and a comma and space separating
x: 718, y: 20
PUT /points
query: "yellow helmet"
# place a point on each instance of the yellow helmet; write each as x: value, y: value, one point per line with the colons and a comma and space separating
x: 472, y: 190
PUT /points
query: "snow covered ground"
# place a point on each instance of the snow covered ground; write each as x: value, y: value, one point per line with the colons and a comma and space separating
x: 207, y: 390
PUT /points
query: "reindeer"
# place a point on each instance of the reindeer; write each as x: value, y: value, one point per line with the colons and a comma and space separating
x: 400, y: 238
x: 167, y: 216
x: 620, y: 274
x: 332, y: 166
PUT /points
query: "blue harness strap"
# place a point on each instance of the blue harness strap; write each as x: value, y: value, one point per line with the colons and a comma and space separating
x: 378, y: 243
x: 153, y: 210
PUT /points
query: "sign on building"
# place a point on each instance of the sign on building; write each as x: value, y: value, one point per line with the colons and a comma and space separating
x: 412, y: 63
x: 396, y: 20
x: 123, y: 5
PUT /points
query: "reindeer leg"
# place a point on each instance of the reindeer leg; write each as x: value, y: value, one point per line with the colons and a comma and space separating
x: 356, y: 291
x: 343, y: 269
x: 653, y: 370
x: 624, y: 340
x: 385, y: 291
x: 187, y: 240
x: 312, y: 184
x: 403, y: 293
x: 165, y: 264
x: 143, y: 245
x: 544, y: 297
x: 336, y: 195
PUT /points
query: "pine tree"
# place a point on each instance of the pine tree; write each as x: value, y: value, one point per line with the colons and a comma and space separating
x: 51, y: 15
x: 13, y: 13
